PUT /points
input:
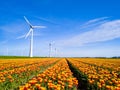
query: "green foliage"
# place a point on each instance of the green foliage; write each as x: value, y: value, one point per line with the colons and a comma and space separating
x: 12, y: 57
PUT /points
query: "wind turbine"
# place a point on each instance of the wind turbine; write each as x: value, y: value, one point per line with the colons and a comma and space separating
x: 50, y: 48
x: 55, y: 52
x: 30, y: 33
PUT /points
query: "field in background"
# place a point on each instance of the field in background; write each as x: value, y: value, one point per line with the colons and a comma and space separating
x: 23, y: 73
x: 17, y: 57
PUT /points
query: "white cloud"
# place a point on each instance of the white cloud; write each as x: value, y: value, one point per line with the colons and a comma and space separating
x: 104, y: 32
x: 47, y: 20
x: 94, y: 22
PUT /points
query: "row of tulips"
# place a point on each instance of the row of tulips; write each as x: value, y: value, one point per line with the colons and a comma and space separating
x: 99, y: 78
x: 58, y: 77
x: 12, y: 78
x: 7, y: 64
x: 16, y: 63
x: 111, y: 64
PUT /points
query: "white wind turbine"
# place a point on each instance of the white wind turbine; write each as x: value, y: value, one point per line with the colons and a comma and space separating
x: 30, y: 33
x: 50, y: 48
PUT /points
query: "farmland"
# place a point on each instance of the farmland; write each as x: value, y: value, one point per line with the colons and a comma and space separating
x: 59, y: 74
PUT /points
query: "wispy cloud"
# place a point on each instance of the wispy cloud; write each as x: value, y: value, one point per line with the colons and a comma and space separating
x: 94, y: 22
x: 104, y: 32
x: 47, y: 20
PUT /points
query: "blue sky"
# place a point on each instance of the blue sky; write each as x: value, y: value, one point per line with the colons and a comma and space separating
x: 76, y: 28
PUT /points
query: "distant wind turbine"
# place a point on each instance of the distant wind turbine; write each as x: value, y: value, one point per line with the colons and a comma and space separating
x: 50, y: 48
x: 55, y: 52
x: 30, y: 33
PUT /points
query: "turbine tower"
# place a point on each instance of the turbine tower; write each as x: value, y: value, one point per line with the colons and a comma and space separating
x: 30, y: 33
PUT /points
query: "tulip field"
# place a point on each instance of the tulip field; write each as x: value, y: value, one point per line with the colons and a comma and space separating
x: 59, y: 74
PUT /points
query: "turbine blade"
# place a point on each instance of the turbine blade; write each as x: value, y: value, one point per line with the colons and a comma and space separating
x: 27, y: 21
x: 28, y: 33
x: 39, y: 26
